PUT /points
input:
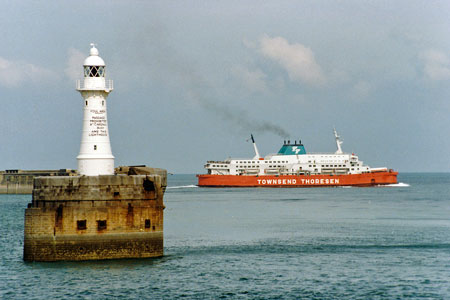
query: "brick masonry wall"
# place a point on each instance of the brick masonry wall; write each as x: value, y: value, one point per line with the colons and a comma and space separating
x: 95, y: 217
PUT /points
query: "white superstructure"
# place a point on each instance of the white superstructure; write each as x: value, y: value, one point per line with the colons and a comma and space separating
x: 292, y: 159
x: 95, y: 156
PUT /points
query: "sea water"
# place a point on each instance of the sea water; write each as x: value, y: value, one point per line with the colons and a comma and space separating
x: 262, y: 243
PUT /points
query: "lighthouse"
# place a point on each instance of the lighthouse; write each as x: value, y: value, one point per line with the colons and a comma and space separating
x: 95, y: 156
x: 102, y: 212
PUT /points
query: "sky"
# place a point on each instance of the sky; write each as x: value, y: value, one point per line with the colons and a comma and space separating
x: 193, y: 80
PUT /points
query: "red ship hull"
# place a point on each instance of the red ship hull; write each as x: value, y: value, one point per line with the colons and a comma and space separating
x: 365, y: 179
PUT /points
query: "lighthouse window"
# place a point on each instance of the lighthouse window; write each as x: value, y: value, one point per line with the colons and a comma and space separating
x: 95, y: 147
x: 103, y: 103
x: 86, y: 103
x: 94, y: 71
x: 101, y: 224
x: 101, y: 71
x: 81, y: 225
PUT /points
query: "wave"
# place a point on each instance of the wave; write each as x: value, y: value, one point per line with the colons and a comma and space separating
x: 400, y: 184
x: 182, y: 186
x: 300, y: 248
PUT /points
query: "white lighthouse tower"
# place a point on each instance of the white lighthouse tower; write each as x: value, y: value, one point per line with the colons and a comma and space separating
x: 95, y: 156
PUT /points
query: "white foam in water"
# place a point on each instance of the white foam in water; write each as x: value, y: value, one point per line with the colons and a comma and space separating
x: 400, y: 184
x: 182, y: 186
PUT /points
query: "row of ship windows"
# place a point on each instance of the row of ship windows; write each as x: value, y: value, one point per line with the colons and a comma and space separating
x: 328, y: 166
x: 311, y: 166
x: 268, y: 162
x: 274, y: 166
x: 279, y: 166
x: 330, y: 161
x: 262, y: 161
x: 243, y: 162
x: 237, y: 167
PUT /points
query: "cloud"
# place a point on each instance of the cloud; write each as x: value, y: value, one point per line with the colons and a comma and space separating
x: 13, y: 73
x: 437, y: 65
x: 249, y: 44
x: 74, y: 65
x: 156, y: 50
x: 254, y: 81
x: 296, y: 59
x: 361, y: 90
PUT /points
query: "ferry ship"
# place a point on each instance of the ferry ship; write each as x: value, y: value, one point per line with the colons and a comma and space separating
x: 292, y: 166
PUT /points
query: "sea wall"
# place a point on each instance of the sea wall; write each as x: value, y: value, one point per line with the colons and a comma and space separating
x: 21, y: 181
x: 95, y: 217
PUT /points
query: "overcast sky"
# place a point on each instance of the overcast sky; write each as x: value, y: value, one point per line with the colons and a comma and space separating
x: 193, y: 80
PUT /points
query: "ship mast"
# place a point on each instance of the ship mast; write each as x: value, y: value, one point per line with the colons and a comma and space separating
x: 338, y: 142
x: 256, y: 148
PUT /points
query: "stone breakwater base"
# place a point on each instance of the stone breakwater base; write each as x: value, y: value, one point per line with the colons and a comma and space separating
x: 95, y: 217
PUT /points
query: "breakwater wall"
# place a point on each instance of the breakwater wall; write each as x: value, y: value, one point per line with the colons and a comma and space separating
x: 21, y: 181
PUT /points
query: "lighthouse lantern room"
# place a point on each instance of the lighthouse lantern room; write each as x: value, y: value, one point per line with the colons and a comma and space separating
x: 95, y: 156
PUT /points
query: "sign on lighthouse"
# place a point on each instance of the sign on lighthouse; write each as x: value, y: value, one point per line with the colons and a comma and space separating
x: 95, y: 156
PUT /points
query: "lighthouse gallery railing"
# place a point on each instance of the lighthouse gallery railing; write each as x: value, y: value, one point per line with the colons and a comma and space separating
x: 80, y: 85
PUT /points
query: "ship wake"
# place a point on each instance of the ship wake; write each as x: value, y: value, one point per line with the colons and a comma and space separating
x: 182, y: 186
x: 400, y: 184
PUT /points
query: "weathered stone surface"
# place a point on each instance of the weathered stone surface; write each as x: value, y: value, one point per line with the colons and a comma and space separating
x: 143, y: 170
x: 21, y: 181
x: 95, y: 217
x: 85, y: 247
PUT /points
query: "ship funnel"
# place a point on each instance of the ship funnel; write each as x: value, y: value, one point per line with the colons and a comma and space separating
x: 256, y: 148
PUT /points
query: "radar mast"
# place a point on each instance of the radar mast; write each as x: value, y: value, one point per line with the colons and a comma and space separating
x: 338, y: 142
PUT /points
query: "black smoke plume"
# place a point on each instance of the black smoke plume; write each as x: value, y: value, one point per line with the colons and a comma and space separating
x: 156, y: 54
